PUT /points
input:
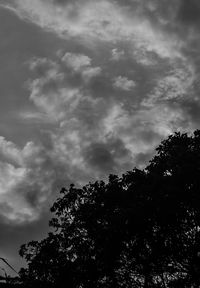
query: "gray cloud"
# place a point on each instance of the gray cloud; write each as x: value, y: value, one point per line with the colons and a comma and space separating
x: 62, y: 2
x: 124, y: 83
x: 189, y: 11
x: 108, y: 157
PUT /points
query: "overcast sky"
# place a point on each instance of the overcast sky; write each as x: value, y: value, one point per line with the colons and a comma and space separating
x: 87, y: 88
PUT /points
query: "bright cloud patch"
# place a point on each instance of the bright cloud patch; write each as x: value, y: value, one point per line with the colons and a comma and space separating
x: 123, y: 83
x: 81, y: 64
x: 94, y: 21
x: 117, y: 54
x: 76, y: 61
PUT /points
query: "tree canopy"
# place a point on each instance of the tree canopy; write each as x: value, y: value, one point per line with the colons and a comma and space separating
x: 138, y: 230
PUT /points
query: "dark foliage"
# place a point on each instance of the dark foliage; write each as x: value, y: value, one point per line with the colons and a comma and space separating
x: 138, y: 230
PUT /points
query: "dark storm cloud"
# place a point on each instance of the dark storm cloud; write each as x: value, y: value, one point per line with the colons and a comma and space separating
x: 99, y: 156
x: 106, y: 157
x: 189, y: 12
x: 191, y: 110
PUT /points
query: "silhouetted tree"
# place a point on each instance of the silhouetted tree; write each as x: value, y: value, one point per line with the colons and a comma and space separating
x: 138, y: 230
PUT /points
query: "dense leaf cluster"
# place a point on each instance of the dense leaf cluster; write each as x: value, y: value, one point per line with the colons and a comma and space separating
x: 138, y: 230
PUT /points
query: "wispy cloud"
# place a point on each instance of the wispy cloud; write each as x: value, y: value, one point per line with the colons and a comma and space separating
x: 94, y: 21
x: 177, y: 84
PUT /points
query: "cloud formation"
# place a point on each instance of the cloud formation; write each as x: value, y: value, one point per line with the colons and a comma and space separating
x: 80, y: 63
x: 16, y: 168
x: 105, y: 20
x: 123, y: 83
x: 125, y: 78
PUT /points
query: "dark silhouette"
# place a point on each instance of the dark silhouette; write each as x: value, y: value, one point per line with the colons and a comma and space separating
x: 8, y: 281
x: 138, y: 230
x: 6, y: 262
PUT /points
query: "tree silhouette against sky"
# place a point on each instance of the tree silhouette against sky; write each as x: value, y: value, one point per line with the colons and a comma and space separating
x: 138, y: 230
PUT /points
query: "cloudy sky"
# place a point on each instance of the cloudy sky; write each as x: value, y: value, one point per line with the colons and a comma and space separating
x: 87, y: 88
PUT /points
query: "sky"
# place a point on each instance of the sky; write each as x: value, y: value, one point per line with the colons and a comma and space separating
x: 87, y: 88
